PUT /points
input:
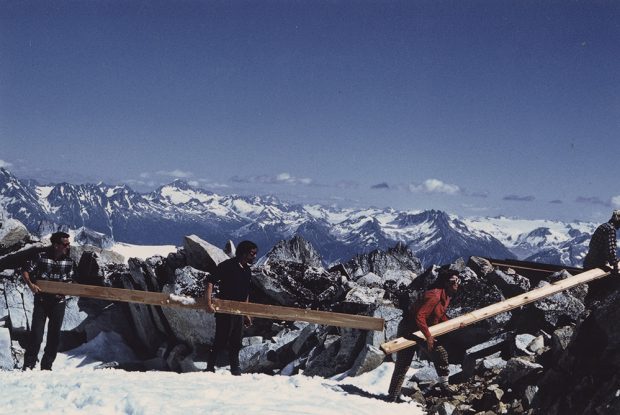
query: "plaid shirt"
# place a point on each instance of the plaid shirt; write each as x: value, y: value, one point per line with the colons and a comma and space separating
x: 44, y: 267
x: 602, y: 247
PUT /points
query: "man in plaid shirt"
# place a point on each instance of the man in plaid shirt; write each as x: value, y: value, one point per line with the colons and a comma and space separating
x: 602, y: 250
x: 53, y: 264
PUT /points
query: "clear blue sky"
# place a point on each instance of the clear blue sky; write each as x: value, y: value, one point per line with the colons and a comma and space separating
x: 472, y: 107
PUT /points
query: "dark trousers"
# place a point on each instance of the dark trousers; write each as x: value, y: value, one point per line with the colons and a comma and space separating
x: 55, y: 312
x: 228, y: 335
x: 439, y: 357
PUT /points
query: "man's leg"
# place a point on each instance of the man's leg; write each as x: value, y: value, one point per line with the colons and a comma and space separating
x: 37, y: 327
x: 236, y: 334
x: 222, y: 330
x: 56, y: 315
x: 403, y: 362
x: 442, y: 366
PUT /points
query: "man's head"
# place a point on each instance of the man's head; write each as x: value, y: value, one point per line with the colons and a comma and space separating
x: 246, y: 252
x: 615, y: 218
x: 60, y: 243
x: 449, y: 280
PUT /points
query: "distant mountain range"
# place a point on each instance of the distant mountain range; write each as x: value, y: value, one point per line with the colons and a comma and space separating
x: 177, y: 209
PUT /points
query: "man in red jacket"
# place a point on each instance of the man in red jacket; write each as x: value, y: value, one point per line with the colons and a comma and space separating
x: 427, y: 311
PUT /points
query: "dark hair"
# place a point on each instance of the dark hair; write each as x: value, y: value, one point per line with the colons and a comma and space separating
x: 57, y: 236
x: 443, y: 276
x: 244, y: 247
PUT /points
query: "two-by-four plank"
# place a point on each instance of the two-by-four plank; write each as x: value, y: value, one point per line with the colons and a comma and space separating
x: 222, y: 306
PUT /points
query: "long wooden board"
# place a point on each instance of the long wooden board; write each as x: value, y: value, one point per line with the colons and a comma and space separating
x: 497, y: 308
x: 222, y: 306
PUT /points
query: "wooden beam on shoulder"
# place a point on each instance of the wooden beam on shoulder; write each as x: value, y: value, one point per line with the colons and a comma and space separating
x: 497, y: 308
x: 222, y: 306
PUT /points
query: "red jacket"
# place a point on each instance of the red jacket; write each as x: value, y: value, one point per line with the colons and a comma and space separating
x: 429, y: 310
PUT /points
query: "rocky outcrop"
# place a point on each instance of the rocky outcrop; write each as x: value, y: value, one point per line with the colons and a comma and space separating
x: 585, y: 378
x: 85, y: 236
x: 296, y: 250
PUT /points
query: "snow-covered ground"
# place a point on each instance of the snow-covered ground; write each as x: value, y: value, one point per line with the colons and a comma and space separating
x: 75, y: 387
x: 142, y: 251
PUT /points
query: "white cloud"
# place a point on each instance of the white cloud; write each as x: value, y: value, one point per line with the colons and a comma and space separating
x: 615, y: 201
x: 435, y: 186
x: 5, y: 164
x: 282, y: 178
x: 179, y: 174
x: 145, y: 175
x: 287, y: 178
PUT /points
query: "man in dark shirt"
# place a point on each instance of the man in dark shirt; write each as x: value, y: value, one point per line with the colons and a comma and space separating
x: 53, y: 264
x: 233, y: 276
x: 602, y: 249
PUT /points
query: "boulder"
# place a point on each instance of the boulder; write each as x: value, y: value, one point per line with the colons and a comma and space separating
x: 480, y: 266
x: 6, y: 356
x: 370, y: 280
x: 194, y: 327
x: 19, y: 303
x: 13, y: 236
x: 321, y: 358
x: 557, y: 310
x: 367, y: 360
x: 516, y: 370
x: 474, y: 354
x: 147, y: 319
x: 201, y: 255
x: 509, y: 284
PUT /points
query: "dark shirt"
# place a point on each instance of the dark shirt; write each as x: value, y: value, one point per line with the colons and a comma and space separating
x: 602, y: 247
x: 44, y: 267
x: 233, y: 279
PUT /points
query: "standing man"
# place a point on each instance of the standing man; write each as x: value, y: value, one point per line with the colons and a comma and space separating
x: 426, y: 311
x: 602, y: 249
x: 233, y: 276
x: 53, y: 264
x: 601, y: 252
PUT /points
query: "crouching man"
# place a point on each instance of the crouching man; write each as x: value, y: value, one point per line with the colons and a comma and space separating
x: 427, y: 311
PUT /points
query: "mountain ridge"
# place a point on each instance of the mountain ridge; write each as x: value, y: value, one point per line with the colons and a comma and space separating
x: 174, y: 210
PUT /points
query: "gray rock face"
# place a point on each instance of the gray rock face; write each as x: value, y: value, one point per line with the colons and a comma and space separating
x: 194, y: 327
x: 298, y: 285
x: 480, y: 266
x: 202, y: 255
x: 584, y: 379
x: 561, y: 339
x: 392, y: 317
x: 6, y: 357
x: 19, y: 302
x: 296, y: 250
x: 85, y: 236
x: 509, y: 284
x: 147, y: 319
x: 321, y: 358
x: 369, y: 359
x: 103, y: 257
x: 516, y: 370
x: 395, y: 264
x: 559, y: 309
x: 13, y: 235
